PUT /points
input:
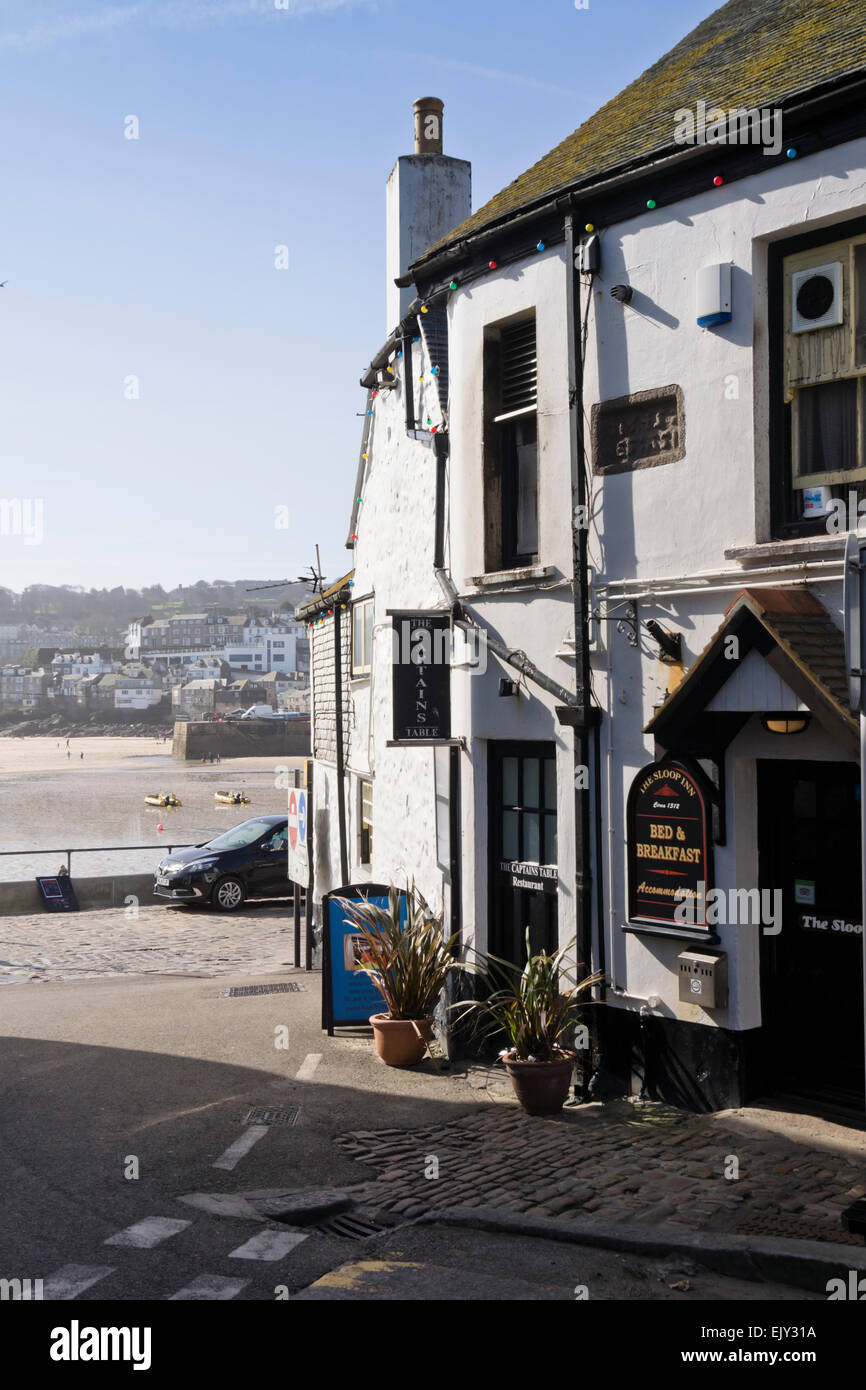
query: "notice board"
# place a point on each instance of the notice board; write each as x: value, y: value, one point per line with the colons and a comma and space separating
x: 348, y: 994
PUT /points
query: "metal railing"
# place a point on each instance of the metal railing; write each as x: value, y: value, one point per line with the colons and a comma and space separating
x: 92, y: 849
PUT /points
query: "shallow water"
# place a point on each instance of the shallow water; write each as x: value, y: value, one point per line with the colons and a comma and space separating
x: 75, y: 803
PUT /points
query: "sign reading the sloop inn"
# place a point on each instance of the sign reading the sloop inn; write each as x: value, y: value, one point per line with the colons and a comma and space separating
x: 421, y: 664
x: 669, y: 847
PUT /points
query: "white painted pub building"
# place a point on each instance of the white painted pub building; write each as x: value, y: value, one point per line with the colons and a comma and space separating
x: 612, y: 447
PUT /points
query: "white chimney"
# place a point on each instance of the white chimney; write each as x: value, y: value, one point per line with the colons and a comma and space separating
x: 428, y: 194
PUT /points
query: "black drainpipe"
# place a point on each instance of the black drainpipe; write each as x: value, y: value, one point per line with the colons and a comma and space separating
x: 584, y: 715
x: 338, y: 702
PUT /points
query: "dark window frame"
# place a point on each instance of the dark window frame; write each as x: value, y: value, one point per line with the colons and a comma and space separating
x: 500, y: 455
x: 785, y: 524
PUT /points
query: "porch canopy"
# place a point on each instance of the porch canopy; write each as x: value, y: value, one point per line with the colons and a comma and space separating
x: 789, y: 656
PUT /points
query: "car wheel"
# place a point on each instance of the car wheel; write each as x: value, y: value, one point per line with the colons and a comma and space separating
x: 228, y: 895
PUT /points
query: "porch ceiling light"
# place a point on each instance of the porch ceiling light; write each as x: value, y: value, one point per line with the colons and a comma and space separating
x: 785, y: 723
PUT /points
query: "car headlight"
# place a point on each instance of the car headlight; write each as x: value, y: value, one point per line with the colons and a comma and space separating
x: 200, y: 864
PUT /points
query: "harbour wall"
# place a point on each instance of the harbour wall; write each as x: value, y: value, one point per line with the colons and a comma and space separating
x: 241, y: 738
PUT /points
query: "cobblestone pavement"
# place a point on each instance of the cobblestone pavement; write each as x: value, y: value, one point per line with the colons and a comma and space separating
x: 624, y: 1161
x: 158, y: 941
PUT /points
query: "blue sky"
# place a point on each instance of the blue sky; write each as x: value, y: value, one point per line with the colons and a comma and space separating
x: 154, y: 258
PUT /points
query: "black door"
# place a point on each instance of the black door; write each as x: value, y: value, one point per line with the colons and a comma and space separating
x: 812, y: 970
x: 523, y: 856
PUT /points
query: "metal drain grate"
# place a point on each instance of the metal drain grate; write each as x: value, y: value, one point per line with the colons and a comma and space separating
x: 267, y: 1115
x: 351, y: 1227
x: 244, y: 991
x: 796, y: 1228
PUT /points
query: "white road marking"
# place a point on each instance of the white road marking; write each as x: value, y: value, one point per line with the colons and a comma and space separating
x: 235, y: 1152
x: 210, y: 1287
x: 308, y: 1066
x: 268, y: 1245
x: 72, y: 1280
x: 144, y: 1235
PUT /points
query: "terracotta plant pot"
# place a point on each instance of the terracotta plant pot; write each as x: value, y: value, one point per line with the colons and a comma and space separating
x: 541, y: 1087
x: 397, y: 1042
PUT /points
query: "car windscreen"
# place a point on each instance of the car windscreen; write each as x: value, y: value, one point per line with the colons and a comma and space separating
x: 242, y: 835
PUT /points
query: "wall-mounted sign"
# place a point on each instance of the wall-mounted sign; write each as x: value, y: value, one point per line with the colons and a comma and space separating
x: 830, y: 926
x: 299, y: 861
x: 58, y: 894
x: 348, y: 994
x: 541, y: 878
x: 421, y: 664
x: 669, y: 846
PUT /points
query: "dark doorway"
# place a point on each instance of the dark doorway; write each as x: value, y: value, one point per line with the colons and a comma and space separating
x: 812, y: 970
x: 523, y: 854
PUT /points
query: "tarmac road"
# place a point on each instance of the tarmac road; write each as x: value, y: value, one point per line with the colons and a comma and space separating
x: 120, y: 1096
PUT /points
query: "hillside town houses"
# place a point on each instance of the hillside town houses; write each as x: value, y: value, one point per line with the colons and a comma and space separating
x: 612, y: 444
x: 163, y: 665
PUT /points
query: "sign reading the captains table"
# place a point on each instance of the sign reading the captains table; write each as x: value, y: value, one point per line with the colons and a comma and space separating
x: 669, y: 846
x: 421, y: 663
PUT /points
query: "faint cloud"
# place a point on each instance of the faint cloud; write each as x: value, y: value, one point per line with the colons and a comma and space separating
x: 492, y: 74
x: 170, y: 14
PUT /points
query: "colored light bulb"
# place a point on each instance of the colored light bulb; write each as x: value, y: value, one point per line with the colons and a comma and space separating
x: 540, y: 246
x: 650, y: 202
x: 492, y: 264
x: 424, y: 309
x: 718, y: 181
x: 791, y: 153
x: 590, y: 227
x: 453, y: 285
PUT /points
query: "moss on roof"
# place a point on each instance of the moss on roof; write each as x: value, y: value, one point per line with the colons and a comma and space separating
x: 748, y: 53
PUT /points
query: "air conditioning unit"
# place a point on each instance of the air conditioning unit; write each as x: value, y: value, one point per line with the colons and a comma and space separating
x: 816, y: 298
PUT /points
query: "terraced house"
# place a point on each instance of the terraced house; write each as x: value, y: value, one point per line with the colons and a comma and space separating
x: 613, y: 445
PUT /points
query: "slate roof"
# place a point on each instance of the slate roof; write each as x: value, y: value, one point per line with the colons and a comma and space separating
x: 805, y: 633
x: 748, y: 53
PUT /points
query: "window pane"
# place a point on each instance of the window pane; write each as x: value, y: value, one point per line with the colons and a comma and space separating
x: 527, y: 486
x: 510, y: 847
x: 550, y: 783
x: 509, y: 781
x: 550, y: 856
x: 860, y: 304
x: 357, y: 637
x: 828, y: 427
x: 531, y: 838
x: 368, y: 633
x: 530, y: 781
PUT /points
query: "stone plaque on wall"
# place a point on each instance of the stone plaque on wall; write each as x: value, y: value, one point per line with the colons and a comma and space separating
x: 639, y: 431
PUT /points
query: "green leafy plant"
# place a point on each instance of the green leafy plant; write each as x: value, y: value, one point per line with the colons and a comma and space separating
x: 409, y: 962
x: 535, y: 1007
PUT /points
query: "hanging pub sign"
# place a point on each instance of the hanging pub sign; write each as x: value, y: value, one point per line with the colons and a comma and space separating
x: 421, y: 664
x: 669, y: 846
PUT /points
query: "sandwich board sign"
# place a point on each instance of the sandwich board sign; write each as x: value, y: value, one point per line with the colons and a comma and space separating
x: 58, y: 894
x: 299, y: 858
x: 348, y: 994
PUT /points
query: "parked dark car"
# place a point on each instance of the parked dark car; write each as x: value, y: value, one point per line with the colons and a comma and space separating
x: 249, y: 861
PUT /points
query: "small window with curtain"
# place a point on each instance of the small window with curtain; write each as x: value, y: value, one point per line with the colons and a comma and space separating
x: 510, y: 445
x: 823, y: 386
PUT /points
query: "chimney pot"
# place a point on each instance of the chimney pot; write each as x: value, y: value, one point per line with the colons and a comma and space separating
x: 428, y: 125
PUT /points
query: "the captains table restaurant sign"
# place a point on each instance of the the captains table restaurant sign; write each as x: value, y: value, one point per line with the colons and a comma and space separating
x: 669, y: 847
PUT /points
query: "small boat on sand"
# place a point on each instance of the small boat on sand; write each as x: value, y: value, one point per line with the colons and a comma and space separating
x: 163, y: 799
x: 231, y: 798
